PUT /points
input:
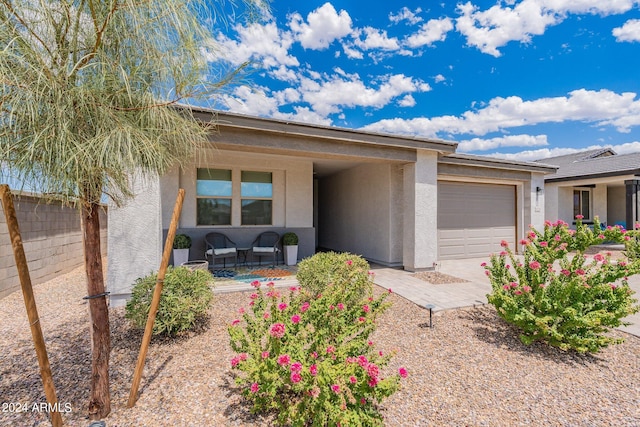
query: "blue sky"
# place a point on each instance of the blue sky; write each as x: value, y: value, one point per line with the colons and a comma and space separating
x: 516, y: 79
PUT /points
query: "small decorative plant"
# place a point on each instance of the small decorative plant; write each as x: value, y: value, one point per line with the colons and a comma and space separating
x: 318, y: 271
x: 289, y: 239
x: 181, y: 241
x: 559, y: 295
x: 311, y: 359
x: 185, y: 299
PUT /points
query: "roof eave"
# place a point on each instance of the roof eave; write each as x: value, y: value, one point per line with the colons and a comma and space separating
x: 635, y: 172
x: 233, y: 120
x: 492, y: 162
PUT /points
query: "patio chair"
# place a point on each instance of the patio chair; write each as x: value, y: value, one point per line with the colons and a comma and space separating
x: 266, y: 244
x: 219, y: 246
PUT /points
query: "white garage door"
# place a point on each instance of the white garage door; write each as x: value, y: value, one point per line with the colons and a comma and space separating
x: 474, y: 218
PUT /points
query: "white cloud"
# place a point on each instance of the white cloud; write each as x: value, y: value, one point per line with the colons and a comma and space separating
x: 479, y: 144
x: 629, y: 32
x: 376, y: 39
x: 324, y: 25
x: 406, y: 15
x: 254, y: 102
x: 544, y: 153
x: 433, y: 31
x: 439, y: 78
x: 601, y: 108
x: 264, y: 43
x: 493, y: 28
x: 407, y: 101
x: 338, y: 91
x: 608, y: 7
x: 351, y: 52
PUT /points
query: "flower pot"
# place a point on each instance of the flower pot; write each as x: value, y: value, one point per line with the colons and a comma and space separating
x: 200, y: 264
x: 291, y: 254
x: 180, y: 256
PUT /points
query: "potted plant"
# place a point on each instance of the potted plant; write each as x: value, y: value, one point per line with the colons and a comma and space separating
x: 181, y: 245
x: 290, y: 244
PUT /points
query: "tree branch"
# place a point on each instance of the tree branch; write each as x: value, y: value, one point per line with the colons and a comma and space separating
x: 99, y: 33
x: 26, y: 26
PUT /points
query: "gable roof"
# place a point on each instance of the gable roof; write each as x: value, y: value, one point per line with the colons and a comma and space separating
x: 593, y: 164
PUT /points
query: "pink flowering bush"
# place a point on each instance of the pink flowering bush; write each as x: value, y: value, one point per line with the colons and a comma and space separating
x: 310, y: 359
x: 556, y: 294
x: 317, y: 272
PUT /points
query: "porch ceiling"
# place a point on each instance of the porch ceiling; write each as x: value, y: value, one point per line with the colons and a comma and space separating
x: 326, y: 167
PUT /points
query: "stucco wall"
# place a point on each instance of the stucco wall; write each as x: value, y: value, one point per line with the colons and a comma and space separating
x: 534, y: 203
x: 135, y: 239
x: 359, y: 212
x: 551, y: 207
x: 565, y: 204
x: 292, y: 187
x: 616, y: 205
x: 420, y: 228
x: 52, y: 239
x: 600, y: 203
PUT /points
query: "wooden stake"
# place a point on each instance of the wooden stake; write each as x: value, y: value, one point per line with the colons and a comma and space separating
x: 153, y: 310
x: 30, y: 303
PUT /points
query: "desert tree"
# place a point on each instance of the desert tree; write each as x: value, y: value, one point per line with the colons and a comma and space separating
x: 88, y: 98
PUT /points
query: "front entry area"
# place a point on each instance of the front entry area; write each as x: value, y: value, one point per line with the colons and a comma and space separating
x: 474, y: 218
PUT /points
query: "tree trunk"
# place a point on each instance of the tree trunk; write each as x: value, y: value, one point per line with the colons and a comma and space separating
x: 100, y: 399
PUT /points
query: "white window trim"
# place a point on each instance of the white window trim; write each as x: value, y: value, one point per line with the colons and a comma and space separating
x: 590, y: 191
x: 236, y: 197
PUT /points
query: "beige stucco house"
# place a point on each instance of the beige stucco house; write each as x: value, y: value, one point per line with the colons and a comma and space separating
x: 594, y: 183
x: 398, y: 201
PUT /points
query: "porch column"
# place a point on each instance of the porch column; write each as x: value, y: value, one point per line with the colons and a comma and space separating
x: 633, y: 202
x: 134, y: 239
x: 420, y: 231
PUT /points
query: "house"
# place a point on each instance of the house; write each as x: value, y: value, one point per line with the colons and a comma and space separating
x: 594, y: 183
x: 398, y: 201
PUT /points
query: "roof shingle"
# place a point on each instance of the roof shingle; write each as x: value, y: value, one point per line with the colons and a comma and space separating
x: 593, y: 163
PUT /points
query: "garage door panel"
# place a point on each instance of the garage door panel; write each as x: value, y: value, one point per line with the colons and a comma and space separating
x: 474, y: 218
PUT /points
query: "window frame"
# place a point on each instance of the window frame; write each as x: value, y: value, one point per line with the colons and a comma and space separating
x: 236, y: 198
x: 215, y: 197
x: 243, y: 198
x: 580, y: 193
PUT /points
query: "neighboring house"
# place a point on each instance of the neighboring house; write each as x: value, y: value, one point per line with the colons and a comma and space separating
x: 397, y: 200
x: 594, y: 183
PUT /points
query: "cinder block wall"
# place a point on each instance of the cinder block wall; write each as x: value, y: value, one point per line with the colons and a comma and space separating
x: 52, y: 239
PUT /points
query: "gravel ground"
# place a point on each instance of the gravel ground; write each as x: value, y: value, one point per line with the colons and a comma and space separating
x: 469, y: 370
x: 437, y: 278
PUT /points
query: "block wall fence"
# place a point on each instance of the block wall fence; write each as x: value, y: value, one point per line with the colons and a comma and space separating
x: 52, y: 239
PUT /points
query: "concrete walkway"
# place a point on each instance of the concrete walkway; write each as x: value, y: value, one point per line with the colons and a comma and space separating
x: 466, y: 294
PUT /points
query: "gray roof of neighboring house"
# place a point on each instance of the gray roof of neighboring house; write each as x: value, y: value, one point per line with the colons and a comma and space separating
x: 593, y: 164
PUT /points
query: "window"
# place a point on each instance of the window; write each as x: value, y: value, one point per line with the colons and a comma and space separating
x: 582, y: 204
x: 256, y: 192
x: 214, y: 192
x: 221, y: 201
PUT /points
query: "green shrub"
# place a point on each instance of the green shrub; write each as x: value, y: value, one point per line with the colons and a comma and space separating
x: 181, y: 241
x: 324, y: 268
x: 559, y: 295
x: 290, y: 239
x: 185, y: 298
x: 311, y: 361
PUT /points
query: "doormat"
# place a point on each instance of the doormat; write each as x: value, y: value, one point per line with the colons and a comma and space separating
x: 261, y: 275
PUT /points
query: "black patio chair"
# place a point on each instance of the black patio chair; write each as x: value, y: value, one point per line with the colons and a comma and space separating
x: 219, y: 246
x: 266, y: 244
